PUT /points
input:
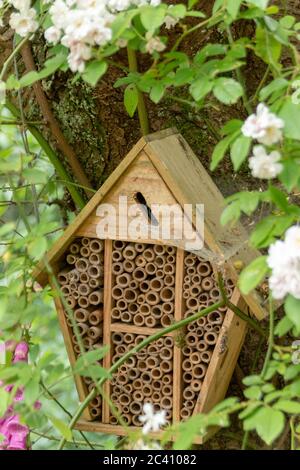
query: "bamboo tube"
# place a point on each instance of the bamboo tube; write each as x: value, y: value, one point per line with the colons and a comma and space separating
x: 186, y: 294
x: 128, y: 266
x: 167, y: 379
x: 195, y: 290
x: 156, y: 311
x: 201, y: 321
x: 203, y: 298
x: 150, y: 269
x: 167, y: 307
x: 215, y: 294
x: 137, y: 384
x: 121, y: 349
x: 187, y: 350
x: 166, y: 403
x: 140, y: 261
x: 191, y: 271
x: 95, y: 258
x: 140, y: 299
x: 152, y: 362
x: 171, y: 250
x: 84, y: 289
x: 113, y: 420
x: 167, y: 319
x: 169, y: 269
x: 81, y: 315
x: 71, y: 301
x: 114, y: 397
x: 117, y: 293
x: 167, y: 390
x: 83, y: 301
x: 96, y: 297
x: 201, y: 345
x: 199, y: 331
x: 147, y: 390
x: 217, y: 328
x: 74, y: 248
x: 84, y: 278
x: 187, y: 376
x: 139, y: 274
x: 140, y: 247
x: 191, y: 327
x: 117, y: 268
x: 121, y: 304
x: 128, y: 388
x: 126, y: 317
x: 153, y: 349
x: 199, y: 371
x: 185, y: 413
x: 123, y: 378
x: 169, y: 280
x: 156, y: 374
x: 195, y: 357
x: 136, y: 421
x: 82, y: 264
x: 117, y: 338
x: 166, y: 366
x: 96, y: 402
x: 144, y: 286
x: 87, y: 342
x: 73, y: 275
x: 116, y: 256
x: 159, y: 249
x: 131, y: 361
x: 159, y: 343
x: 123, y: 280
x: 128, y: 338
x: 63, y: 277
x: 77, y: 348
x: 151, y: 322
x: 71, y: 259
x: 196, y: 385
x: 122, y: 369
x: 157, y: 385
x: 135, y: 408
x: 187, y: 365
x: 139, y: 319
x: 189, y: 404
x: 189, y: 313
x: 94, y: 283
x: 204, y: 268
x: 95, y: 412
x: 96, y: 246
x: 160, y: 273
x: 207, y: 283
x: 118, y: 245
x: 85, y: 251
x: 115, y: 314
x: 133, y: 284
x: 124, y: 399
x: 171, y: 259
x: 160, y: 261
x: 167, y: 294
x: 188, y: 393
x: 95, y: 271
x: 166, y: 353
x: 138, y: 395
x: 191, y: 339
x: 66, y: 289
x: 210, y: 337
x: 206, y: 356
x: 146, y: 376
x: 133, y: 308
x: 156, y: 284
x: 152, y: 297
x: 196, y: 279
x: 85, y: 241
x: 95, y: 332
x: 139, y: 339
x: 129, y: 252
x: 155, y: 397
x: 215, y: 318
x: 149, y: 254
x: 145, y: 309
x: 192, y: 303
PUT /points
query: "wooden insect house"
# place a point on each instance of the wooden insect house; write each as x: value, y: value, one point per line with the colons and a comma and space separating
x: 123, y: 284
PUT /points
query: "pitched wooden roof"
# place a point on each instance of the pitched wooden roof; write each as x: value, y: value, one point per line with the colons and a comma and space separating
x: 189, y: 183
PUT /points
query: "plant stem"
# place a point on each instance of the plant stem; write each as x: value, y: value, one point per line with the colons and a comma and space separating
x: 136, y: 349
x: 271, y: 339
x: 142, y: 111
x: 247, y: 319
x: 54, y: 159
x: 11, y: 57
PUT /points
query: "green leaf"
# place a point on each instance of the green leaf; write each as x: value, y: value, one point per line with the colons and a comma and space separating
x: 283, y: 326
x: 220, y: 150
x: 4, y: 401
x: 232, y: 126
x: 37, y: 247
x: 292, y: 310
x: 253, y: 393
x: 51, y: 65
x: 227, y: 90
x: 89, y: 358
x: 279, y: 198
x: 253, y: 274
x: 35, y: 176
x: 157, y: 92
x: 267, y: 47
x: 275, y: 85
x: 131, y: 99
x: 239, y: 151
x: 253, y: 380
x: 259, y: 3
x: 200, y: 88
x: 94, y: 71
x: 231, y: 213
x: 61, y: 427
x: 270, y: 424
x: 290, y: 113
x: 233, y: 7
x: 31, y: 392
x: 152, y: 18
x: 290, y: 174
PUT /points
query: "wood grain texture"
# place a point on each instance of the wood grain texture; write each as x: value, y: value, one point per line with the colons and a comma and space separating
x: 177, y: 367
x: 138, y: 330
x: 107, y: 323
x: 67, y: 334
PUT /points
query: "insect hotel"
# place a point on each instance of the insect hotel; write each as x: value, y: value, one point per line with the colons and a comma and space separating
x: 123, y: 285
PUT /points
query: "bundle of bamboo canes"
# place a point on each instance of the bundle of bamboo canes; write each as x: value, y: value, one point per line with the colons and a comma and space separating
x: 81, y: 281
x: 146, y: 377
x: 200, y: 290
x: 143, y: 289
